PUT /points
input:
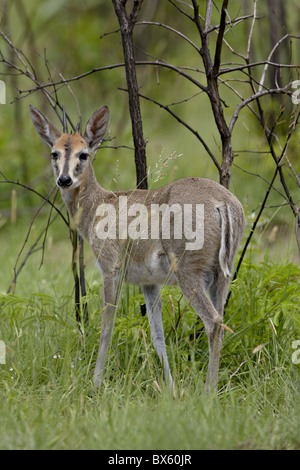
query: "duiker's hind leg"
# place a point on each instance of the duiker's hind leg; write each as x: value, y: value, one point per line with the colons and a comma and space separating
x: 153, y: 305
x: 194, y: 290
x: 218, y: 293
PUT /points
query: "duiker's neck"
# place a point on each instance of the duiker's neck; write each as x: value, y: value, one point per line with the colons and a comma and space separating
x: 81, y: 202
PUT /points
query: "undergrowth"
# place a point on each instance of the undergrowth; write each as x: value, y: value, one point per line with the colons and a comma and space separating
x: 47, y: 398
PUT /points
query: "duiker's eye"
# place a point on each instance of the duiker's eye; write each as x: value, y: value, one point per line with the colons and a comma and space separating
x: 83, y: 156
x: 54, y: 156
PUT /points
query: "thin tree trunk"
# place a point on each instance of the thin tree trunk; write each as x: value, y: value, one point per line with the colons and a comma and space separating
x: 126, y: 24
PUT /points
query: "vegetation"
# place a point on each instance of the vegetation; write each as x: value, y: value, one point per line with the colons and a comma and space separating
x: 47, y: 399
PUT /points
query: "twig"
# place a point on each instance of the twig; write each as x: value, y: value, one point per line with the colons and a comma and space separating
x: 74, y: 239
x: 259, y: 94
x: 31, y: 250
x: 219, y: 44
x: 297, y: 226
x: 46, y: 230
x: 169, y: 28
x: 6, y: 180
x: 119, y: 65
x: 82, y: 280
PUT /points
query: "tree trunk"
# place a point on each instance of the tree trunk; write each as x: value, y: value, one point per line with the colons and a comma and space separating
x: 126, y: 24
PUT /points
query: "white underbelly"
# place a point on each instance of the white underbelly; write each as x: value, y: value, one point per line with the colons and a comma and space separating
x: 154, y: 270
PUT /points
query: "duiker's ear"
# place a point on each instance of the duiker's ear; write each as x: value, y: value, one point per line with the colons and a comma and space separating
x: 96, y: 128
x: 46, y: 130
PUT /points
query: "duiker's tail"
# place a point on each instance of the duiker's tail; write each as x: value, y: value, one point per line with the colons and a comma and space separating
x: 228, y: 243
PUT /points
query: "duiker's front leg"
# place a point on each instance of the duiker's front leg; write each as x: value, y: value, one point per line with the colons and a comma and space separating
x: 154, y: 313
x: 110, y: 303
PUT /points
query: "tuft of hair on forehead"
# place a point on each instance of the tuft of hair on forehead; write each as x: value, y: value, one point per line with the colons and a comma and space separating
x: 69, y: 144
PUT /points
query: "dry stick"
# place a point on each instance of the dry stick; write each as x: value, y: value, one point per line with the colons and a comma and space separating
x: 82, y: 279
x: 256, y: 64
x: 6, y: 180
x: 156, y: 63
x: 252, y: 232
x: 270, y: 134
x: 31, y: 250
x: 72, y: 94
x: 297, y: 225
x: 74, y: 239
x: 46, y: 230
x: 169, y: 28
x: 218, y: 50
x: 31, y: 75
x: 30, y: 226
x: 256, y: 96
x: 208, y: 15
x: 262, y: 178
x: 212, y: 71
x: 295, y: 209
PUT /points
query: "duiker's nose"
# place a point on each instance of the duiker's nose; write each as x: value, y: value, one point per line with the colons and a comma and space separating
x: 64, y: 180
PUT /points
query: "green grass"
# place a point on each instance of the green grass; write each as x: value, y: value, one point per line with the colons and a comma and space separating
x: 47, y: 399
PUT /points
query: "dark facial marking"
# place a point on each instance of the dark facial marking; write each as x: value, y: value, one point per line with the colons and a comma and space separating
x: 68, y: 149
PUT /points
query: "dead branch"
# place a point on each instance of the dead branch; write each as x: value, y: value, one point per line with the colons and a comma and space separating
x: 33, y: 249
x: 46, y: 198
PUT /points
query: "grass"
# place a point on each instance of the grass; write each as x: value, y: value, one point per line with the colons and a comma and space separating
x: 47, y: 399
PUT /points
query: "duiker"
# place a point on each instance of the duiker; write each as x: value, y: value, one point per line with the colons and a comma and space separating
x: 185, y: 233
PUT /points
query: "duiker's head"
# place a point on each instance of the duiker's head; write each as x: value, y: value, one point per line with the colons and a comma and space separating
x: 71, y: 152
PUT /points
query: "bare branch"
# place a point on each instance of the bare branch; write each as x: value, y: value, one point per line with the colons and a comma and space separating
x: 251, y: 31
x: 209, y: 5
x: 269, y: 58
x: 152, y: 23
x: 257, y: 95
x: 219, y: 44
x: 180, y: 9
x: 46, y: 199
x: 253, y: 230
x: 113, y: 66
x: 297, y: 225
x: 256, y: 64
